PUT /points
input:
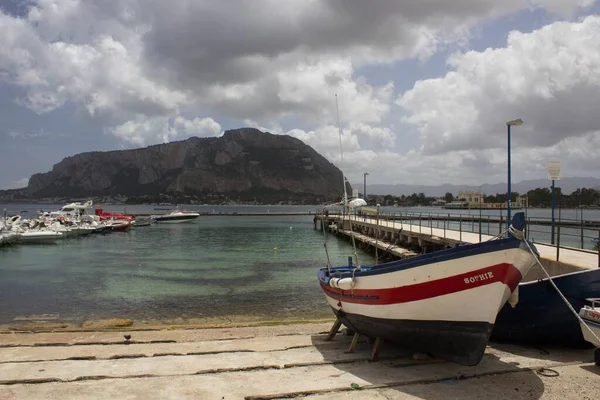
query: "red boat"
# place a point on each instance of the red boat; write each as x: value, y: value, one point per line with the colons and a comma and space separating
x: 121, y: 225
x: 104, y: 215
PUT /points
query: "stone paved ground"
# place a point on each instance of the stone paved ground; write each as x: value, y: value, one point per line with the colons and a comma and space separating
x: 287, y: 361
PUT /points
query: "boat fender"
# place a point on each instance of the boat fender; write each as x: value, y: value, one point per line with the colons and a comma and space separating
x: 333, y: 282
x: 345, y: 283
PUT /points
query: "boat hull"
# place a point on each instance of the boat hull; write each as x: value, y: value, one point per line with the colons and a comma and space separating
x: 121, y: 227
x: 542, y: 317
x: 42, y: 237
x: 594, y: 327
x: 443, y: 303
x: 176, y: 219
x: 462, y: 342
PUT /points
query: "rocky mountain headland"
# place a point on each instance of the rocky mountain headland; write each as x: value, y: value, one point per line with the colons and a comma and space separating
x: 243, y: 165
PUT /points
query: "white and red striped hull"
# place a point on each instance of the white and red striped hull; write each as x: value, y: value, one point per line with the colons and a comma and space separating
x: 446, y: 307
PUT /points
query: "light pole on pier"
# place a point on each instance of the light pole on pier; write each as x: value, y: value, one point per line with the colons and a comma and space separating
x: 480, y: 206
x: 553, y: 174
x: 365, y: 185
x: 514, y: 122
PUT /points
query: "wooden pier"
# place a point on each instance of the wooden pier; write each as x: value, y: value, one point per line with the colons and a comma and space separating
x: 390, y: 236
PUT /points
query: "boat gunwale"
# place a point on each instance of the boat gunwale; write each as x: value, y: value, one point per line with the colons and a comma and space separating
x: 425, y: 259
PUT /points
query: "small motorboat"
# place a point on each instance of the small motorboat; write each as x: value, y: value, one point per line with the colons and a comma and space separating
x: 140, y: 221
x: 590, y: 314
x: 590, y: 325
x: 102, y: 228
x: 39, y: 236
x: 443, y: 303
x: 542, y: 317
x: 176, y: 216
x: 120, y: 225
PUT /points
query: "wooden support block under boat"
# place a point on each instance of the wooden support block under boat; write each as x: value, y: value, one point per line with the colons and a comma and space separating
x: 376, y: 350
x: 354, y: 343
x: 334, y: 329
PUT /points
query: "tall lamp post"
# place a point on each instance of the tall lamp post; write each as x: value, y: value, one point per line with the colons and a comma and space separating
x: 514, y: 122
x: 365, y: 185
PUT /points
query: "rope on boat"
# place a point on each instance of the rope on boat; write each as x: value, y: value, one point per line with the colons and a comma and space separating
x: 346, y: 208
x: 581, y: 321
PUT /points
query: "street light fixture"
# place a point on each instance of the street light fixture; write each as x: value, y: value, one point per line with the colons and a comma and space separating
x: 365, y: 185
x: 514, y: 122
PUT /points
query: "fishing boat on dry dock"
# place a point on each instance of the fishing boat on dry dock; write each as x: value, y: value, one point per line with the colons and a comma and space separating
x: 442, y: 303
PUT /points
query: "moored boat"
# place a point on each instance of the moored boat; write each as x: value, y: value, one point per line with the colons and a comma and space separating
x: 176, y: 216
x: 8, y: 237
x: 590, y: 325
x: 39, y: 236
x: 120, y: 225
x: 140, y: 221
x: 442, y: 303
x: 542, y: 317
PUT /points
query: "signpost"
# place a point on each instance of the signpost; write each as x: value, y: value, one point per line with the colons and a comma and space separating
x: 553, y: 174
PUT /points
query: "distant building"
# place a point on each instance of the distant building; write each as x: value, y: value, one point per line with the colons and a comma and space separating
x: 438, y: 202
x: 475, y: 200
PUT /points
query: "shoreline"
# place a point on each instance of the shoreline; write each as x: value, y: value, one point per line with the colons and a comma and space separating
x: 274, y: 362
x: 124, y: 324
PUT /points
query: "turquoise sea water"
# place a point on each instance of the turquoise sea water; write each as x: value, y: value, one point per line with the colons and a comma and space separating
x: 217, y: 267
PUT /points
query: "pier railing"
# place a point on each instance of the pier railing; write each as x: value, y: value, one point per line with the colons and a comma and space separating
x: 576, y: 234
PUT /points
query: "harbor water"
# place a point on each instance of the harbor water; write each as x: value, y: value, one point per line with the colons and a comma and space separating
x: 216, y: 269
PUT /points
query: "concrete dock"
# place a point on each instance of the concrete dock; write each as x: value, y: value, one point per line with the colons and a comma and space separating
x: 272, y: 362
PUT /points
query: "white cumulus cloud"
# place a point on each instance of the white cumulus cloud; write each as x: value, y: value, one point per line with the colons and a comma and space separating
x: 151, y: 130
x: 550, y: 78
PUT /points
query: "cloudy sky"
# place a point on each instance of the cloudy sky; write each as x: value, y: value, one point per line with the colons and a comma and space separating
x: 424, y: 87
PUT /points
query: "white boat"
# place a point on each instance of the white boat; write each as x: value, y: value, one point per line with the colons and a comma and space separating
x: 8, y: 237
x: 37, y: 236
x: 73, y: 211
x: 175, y: 217
x: 591, y: 318
x: 590, y: 327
